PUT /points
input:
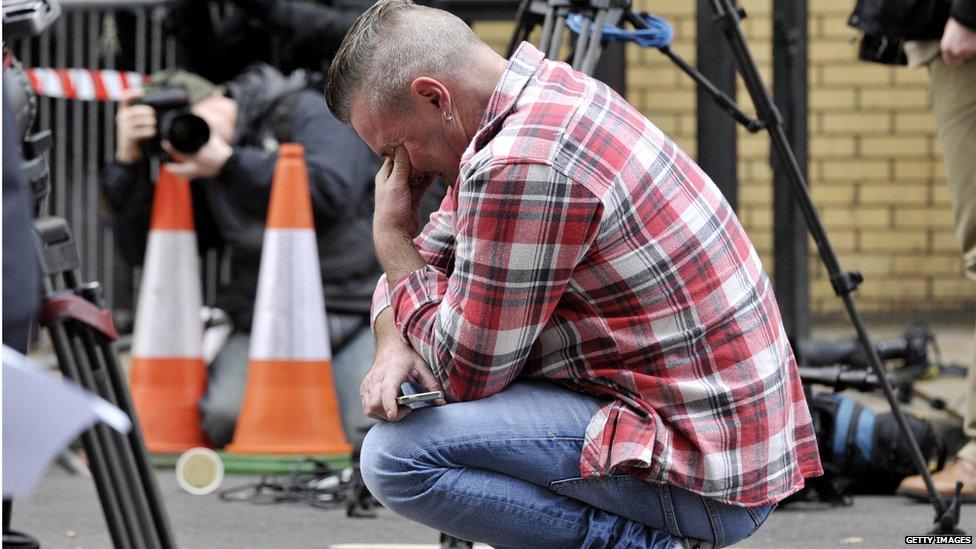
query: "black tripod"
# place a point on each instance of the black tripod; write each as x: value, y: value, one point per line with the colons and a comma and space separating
x: 80, y: 326
x: 551, y: 15
x: 82, y: 332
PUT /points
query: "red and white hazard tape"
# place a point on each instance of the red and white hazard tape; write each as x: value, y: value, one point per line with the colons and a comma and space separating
x: 83, y: 84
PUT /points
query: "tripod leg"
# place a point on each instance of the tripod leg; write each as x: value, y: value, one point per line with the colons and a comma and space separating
x: 104, y: 483
x: 81, y: 331
x: 595, y: 47
x: 582, y: 41
x: 137, y: 445
x: 523, y: 26
x: 547, y: 28
x: 132, y: 483
x: 559, y: 30
x: 108, y: 442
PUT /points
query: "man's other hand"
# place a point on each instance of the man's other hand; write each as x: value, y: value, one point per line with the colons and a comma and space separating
x: 205, y: 164
x: 958, y: 43
x: 395, y: 363
x: 133, y: 123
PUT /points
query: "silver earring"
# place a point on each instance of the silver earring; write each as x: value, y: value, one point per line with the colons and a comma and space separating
x: 448, y: 116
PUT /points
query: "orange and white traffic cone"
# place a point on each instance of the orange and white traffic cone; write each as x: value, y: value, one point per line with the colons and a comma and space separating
x: 290, y: 405
x: 168, y: 373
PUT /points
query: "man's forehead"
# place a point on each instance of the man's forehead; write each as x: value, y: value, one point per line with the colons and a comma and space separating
x: 379, y: 134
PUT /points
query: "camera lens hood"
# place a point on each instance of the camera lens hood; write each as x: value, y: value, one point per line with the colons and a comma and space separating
x: 185, y: 131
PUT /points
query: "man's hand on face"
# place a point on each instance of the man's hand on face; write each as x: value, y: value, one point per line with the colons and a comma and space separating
x: 395, y: 363
x: 133, y: 123
x: 205, y: 164
x: 398, y: 194
x: 958, y: 43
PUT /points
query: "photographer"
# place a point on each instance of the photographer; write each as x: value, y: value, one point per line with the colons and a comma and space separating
x: 231, y: 181
x: 951, y: 61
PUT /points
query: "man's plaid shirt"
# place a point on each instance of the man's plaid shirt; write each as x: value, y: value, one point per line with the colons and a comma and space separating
x: 581, y: 245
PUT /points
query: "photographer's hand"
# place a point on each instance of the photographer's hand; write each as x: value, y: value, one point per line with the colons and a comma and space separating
x: 206, y: 164
x: 133, y: 123
x: 958, y: 43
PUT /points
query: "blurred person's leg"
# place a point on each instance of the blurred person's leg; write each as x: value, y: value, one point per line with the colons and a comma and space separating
x: 349, y: 366
x: 505, y: 470
x: 226, y: 381
x: 963, y: 469
x: 968, y: 452
x: 954, y: 107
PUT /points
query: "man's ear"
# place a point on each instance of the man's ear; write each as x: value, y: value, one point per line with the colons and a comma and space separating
x: 430, y: 93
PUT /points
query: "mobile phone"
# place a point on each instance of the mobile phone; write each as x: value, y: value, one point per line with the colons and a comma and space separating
x: 419, y: 397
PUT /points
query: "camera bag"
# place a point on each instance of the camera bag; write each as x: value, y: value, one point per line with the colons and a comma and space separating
x: 863, y: 451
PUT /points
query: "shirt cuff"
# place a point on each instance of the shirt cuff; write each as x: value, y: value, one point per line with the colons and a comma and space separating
x: 413, y: 294
x: 381, y: 300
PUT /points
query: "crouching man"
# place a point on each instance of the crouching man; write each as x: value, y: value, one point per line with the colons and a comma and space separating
x: 614, y: 358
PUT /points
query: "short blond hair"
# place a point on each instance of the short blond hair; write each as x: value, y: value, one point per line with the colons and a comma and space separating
x: 389, y: 45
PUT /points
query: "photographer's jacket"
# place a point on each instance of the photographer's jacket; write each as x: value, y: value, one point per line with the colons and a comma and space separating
x: 230, y: 211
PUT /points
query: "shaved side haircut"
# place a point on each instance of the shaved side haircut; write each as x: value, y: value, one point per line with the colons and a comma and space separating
x: 391, y: 44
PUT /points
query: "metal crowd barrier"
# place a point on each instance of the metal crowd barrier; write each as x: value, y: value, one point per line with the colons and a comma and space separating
x: 99, y: 34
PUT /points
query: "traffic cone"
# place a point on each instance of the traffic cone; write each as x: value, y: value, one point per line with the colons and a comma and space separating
x: 168, y: 373
x: 290, y: 404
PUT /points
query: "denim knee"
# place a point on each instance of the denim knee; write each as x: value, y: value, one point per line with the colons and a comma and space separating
x: 389, y: 468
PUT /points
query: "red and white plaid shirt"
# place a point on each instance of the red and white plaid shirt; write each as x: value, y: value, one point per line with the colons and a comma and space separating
x: 581, y: 245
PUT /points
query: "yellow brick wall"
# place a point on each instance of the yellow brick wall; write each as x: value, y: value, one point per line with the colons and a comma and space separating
x: 875, y: 164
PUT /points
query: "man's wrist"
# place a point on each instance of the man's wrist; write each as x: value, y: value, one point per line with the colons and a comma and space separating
x: 127, y: 155
x: 396, y: 254
x: 223, y: 153
x: 385, y: 331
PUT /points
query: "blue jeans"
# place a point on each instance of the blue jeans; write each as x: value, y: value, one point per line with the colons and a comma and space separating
x: 227, y: 379
x: 505, y: 471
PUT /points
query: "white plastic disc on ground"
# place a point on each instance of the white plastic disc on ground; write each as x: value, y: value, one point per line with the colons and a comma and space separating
x: 199, y: 471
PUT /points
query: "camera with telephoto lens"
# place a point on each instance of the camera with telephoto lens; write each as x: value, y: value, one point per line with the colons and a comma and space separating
x: 185, y: 131
x: 887, y: 24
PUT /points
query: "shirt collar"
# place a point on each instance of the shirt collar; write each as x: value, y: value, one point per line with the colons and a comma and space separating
x: 523, y: 65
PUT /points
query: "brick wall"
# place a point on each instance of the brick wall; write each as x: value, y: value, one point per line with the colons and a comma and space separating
x: 875, y: 164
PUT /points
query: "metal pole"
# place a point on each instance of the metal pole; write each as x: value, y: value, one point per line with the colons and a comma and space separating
x: 717, y: 146
x: 790, y: 254
x: 76, y: 152
x: 95, y: 269
x: 59, y: 157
